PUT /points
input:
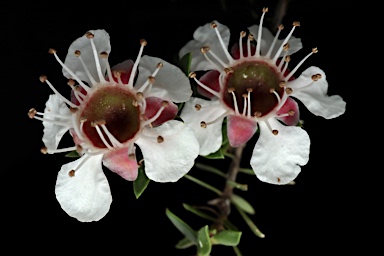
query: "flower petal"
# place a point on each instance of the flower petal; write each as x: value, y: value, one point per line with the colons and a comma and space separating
x: 125, y: 69
x: 54, y: 132
x: 197, y: 110
x: 83, y: 44
x: 170, y: 82
x: 313, y: 94
x: 277, y: 158
x: 169, y: 151
x: 206, y: 36
x: 267, y: 39
x: 289, y: 105
x: 153, y: 104
x: 86, y: 195
x: 210, y: 79
x: 119, y: 162
x: 240, y: 130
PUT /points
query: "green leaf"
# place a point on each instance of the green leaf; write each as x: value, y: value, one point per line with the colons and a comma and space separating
x: 141, y: 182
x: 184, y: 243
x: 227, y: 237
x: 183, y: 227
x: 237, y: 251
x: 198, y: 212
x: 250, y: 223
x: 211, y: 169
x: 185, y: 63
x: 73, y: 154
x: 204, y: 245
x: 242, y: 204
x: 216, y: 155
x: 247, y: 171
x: 203, y: 184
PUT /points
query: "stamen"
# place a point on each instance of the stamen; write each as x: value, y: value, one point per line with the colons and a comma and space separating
x: 71, y: 173
x: 249, y: 90
x: 44, y: 79
x: 268, y: 55
x: 101, y: 135
x: 117, y: 74
x: 221, y: 117
x: 232, y: 91
x: 282, y: 84
x: 245, y: 96
x: 105, y: 55
x: 78, y: 95
x: 276, y: 94
x: 193, y: 75
x: 85, y: 87
x: 286, y: 61
x: 242, y: 35
x: 257, y: 53
x: 143, y: 43
x: 197, y: 107
x: 214, y: 26
x: 76, y: 126
x: 314, y: 50
x: 203, y: 124
x: 216, y: 58
x: 45, y: 150
x: 158, y: 113
x: 112, y: 138
x: 274, y: 131
x: 160, y: 139
x: 257, y: 114
x: 78, y: 54
x: 295, y: 24
x: 96, y: 55
x: 288, y: 90
x: 204, y: 51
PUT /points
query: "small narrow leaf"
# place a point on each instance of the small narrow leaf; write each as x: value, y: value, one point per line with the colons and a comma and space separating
x: 141, y: 183
x: 216, y: 155
x: 250, y: 223
x: 211, y: 169
x: 242, y: 204
x: 204, y: 245
x: 185, y: 63
x: 73, y: 154
x: 227, y: 237
x: 184, y: 243
x: 247, y: 171
x: 237, y: 251
x: 198, y: 212
x: 183, y: 227
x: 203, y: 184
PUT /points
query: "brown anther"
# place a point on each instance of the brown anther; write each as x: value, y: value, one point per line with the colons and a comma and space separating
x: 93, y: 124
x: 117, y: 74
x: 71, y: 82
x: 139, y: 95
x: 77, y: 53
x: 282, y: 84
x: 143, y: 42
x: 73, y: 110
x: 291, y: 112
x: 278, y: 179
x: 132, y: 156
x: 51, y: 51
x: 296, y: 23
x: 100, y: 122
x: 192, y: 75
x: 243, y: 33
x: 43, y: 78
x: 135, y: 103
x: 287, y: 58
x: 288, y: 90
x: 79, y: 148
x: 160, y: 64
x: 197, y: 107
x: 257, y: 114
x: 44, y: 150
x: 83, y: 119
x: 165, y: 103
x: 160, y: 139
x: 249, y: 89
x: 203, y: 124
x: 71, y: 173
x: 314, y: 77
x: 286, y: 47
x: 281, y: 27
x: 251, y: 37
x: 314, y: 50
x: 104, y: 55
x: 231, y: 89
x: 265, y: 9
x: 89, y: 35
x: 204, y: 49
x: 151, y: 79
x: 275, y: 132
x: 272, y: 90
x: 244, y: 95
x: 228, y: 70
x: 318, y: 76
x: 213, y: 25
x: 31, y: 113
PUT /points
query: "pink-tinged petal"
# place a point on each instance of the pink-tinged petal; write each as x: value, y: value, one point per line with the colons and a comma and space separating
x: 267, y: 39
x: 289, y: 106
x: 277, y: 158
x: 240, y: 130
x: 121, y: 163
x: 206, y: 36
x: 125, y: 70
x: 85, y: 193
x: 54, y: 132
x: 313, y: 94
x: 153, y: 106
x: 83, y: 44
x: 210, y: 79
x: 170, y: 82
x: 198, y: 110
x: 169, y: 151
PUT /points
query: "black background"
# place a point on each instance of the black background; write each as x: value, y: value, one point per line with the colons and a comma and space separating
x: 315, y: 213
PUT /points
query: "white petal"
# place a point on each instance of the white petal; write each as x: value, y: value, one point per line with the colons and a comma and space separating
x: 83, y: 44
x: 210, y: 138
x: 172, y: 158
x: 314, y: 96
x: 277, y: 158
x: 170, y: 82
x: 206, y: 36
x: 53, y: 132
x: 267, y: 38
x: 85, y: 196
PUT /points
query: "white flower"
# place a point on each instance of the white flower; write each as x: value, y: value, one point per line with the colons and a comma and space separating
x: 253, y: 88
x: 113, y: 110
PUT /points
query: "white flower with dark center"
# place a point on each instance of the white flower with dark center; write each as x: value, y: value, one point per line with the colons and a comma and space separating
x: 111, y: 111
x: 254, y: 89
